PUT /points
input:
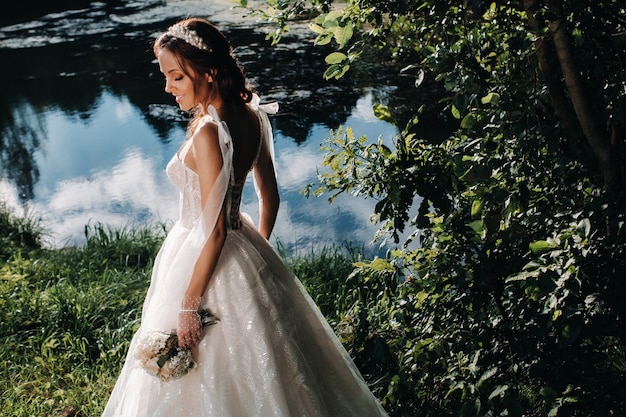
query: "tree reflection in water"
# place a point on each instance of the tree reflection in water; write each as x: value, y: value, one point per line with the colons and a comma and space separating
x: 70, y: 63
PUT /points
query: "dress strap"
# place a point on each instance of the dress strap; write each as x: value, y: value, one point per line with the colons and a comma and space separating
x: 267, y: 136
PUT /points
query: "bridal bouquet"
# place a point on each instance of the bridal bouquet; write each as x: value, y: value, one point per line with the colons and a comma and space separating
x: 158, y: 352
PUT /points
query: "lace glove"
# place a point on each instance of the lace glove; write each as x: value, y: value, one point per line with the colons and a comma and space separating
x: 189, y: 325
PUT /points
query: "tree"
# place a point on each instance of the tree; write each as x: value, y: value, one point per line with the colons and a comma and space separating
x: 506, y: 299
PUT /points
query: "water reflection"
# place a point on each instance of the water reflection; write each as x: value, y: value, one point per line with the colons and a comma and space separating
x: 115, y: 175
x: 86, y: 129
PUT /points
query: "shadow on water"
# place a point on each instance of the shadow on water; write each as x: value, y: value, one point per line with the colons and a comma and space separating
x: 64, y: 56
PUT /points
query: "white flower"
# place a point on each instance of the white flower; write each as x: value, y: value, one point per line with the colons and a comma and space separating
x: 157, y: 352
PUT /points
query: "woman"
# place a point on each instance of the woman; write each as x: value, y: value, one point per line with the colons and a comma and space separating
x: 271, y: 353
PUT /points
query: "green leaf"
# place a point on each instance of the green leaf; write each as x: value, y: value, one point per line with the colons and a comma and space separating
x: 477, y: 207
x: 316, y: 28
x: 324, y: 38
x: 522, y: 276
x: 382, y: 112
x: 421, y: 297
x: 455, y: 112
x: 479, y: 227
x: 486, y: 375
x: 468, y: 121
x: 343, y: 34
x: 548, y: 393
x: 499, y: 390
x: 336, y: 71
x: 491, y: 98
x: 459, y: 386
x: 335, y: 58
x: 571, y: 331
x: 380, y: 264
x: 539, y: 246
x: 577, y: 36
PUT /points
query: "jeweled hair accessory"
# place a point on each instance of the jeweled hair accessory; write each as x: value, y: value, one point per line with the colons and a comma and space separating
x: 188, y: 35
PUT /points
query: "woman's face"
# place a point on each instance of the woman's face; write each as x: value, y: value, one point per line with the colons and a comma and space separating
x: 176, y: 81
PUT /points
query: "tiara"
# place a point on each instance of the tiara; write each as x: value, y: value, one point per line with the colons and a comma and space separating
x: 188, y: 35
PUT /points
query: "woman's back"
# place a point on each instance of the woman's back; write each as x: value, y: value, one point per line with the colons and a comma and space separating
x: 245, y: 132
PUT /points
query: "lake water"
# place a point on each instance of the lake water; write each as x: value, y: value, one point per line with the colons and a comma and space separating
x: 86, y: 129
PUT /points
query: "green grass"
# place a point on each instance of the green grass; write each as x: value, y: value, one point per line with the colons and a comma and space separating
x: 67, y: 315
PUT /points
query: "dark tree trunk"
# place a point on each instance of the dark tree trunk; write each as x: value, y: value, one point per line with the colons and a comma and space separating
x: 594, y: 130
x: 569, y: 96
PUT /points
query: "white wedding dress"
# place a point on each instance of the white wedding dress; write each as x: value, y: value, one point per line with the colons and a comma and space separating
x: 272, y: 354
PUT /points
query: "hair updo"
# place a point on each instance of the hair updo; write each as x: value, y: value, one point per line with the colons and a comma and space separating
x: 218, y: 60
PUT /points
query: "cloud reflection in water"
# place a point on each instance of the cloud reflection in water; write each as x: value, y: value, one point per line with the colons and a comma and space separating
x: 135, y: 191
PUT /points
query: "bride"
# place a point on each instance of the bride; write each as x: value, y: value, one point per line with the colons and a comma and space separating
x: 270, y: 351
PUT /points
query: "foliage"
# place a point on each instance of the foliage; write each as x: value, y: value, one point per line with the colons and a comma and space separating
x: 505, y: 297
x: 67, y: 316
x: 18, y: 232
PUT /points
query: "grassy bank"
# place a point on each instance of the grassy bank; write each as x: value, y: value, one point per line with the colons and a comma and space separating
x: 67, y: 315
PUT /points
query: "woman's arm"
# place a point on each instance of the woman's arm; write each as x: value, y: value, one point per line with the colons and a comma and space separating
x: 269, y: 200
x: 208, y: 165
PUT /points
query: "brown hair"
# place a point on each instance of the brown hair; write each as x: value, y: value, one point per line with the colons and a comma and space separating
x: 218, y: 60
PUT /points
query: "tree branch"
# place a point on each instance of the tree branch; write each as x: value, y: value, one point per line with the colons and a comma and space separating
x: 595, y: 134
x: 552, y: 76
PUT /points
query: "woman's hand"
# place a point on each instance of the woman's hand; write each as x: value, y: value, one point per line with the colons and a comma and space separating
x: 189, y: 329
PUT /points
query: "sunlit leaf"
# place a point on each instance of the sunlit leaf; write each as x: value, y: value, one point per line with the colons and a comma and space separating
x: 468, y: 121
x: 380, y: 264
x: 335, y: 58
x: 539, y: 246
x: 477, y: 207
x: 316, y: 28
x: 324, y: 38
x: 584, y: 226
x: 343, y: 34
x: 333, y: 16
x: 455, y: 112
x: 336, y: 71
x: 491, y: 98
x: 383, y: 113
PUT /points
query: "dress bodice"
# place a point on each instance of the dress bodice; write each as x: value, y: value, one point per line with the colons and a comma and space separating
x: 233, y: 204
x: 187, y: 182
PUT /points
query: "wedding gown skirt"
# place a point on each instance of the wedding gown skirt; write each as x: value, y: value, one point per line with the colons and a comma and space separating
x: 271, y: 354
